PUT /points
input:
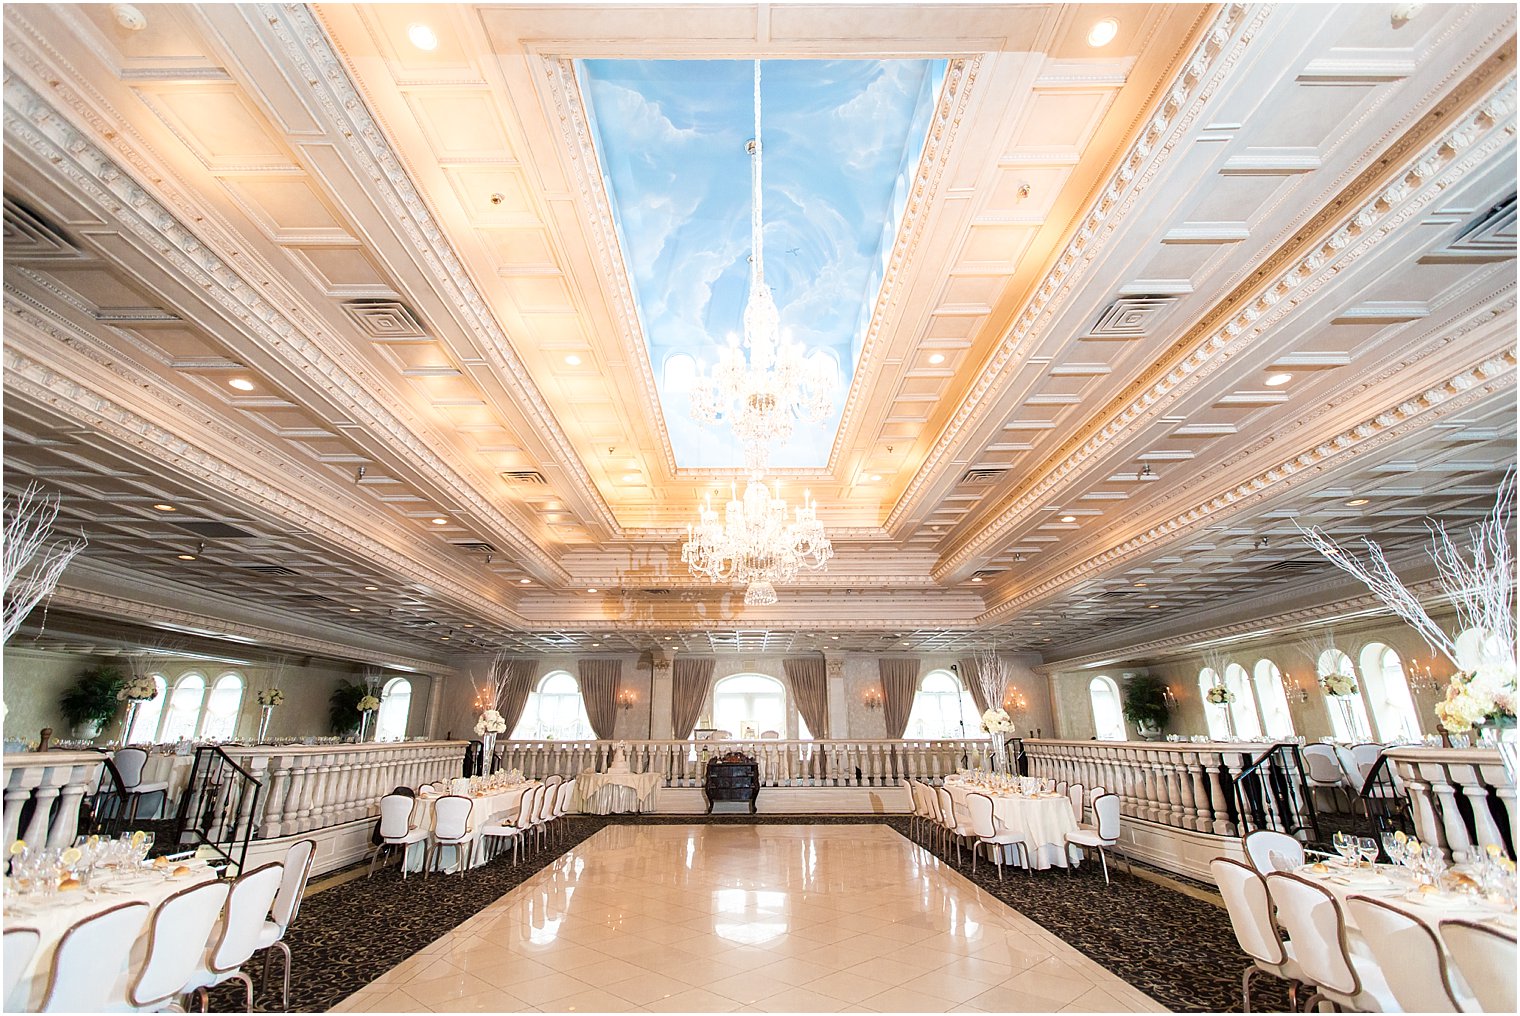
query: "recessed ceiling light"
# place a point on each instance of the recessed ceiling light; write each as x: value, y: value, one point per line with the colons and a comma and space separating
x: 371, y: 589
x: 1036, y: 623
x: 875, y: 477
x: 905, y: 645
x: 353, y: 610
x: 573, y: 360
x: 976, y: 578
x: 422, y: 36
x: 630, y: 477
x: 1068, y: 518
x: 1102, y: 33
x: 440, y: 522
x: 445, y: 638
x: 834, y: 637
x: 1139, y: 583
x: 469, y: 626
x: 163, y: 507
x: 524, y: 582
x: 1357, y: 502
x: 591, y: 589
x: 186, y: 557
x: 936, y: 358
x: 1152, y: 606
x: 595, y: 644
x: 242, y: 384
x: 1278, y: 380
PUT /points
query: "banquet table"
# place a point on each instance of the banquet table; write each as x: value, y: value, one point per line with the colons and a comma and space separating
x: 497, y: 806
x: 1044, y: 819
x: 1393, y: 884
x: 609, y: 793
x: 53, y: 917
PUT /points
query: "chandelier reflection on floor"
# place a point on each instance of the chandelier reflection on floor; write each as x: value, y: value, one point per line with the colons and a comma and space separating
x: 761, y: 397
x: 754, y: 542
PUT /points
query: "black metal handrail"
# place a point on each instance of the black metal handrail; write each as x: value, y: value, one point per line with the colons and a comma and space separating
x: 220, y: 806
x: 1385, y: 801
x: 1272, y: 792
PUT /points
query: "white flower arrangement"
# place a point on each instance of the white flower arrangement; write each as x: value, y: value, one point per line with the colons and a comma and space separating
x: 490, y: 722
x: 1478, y: 697
x: 1338, y: 685
x: 1219, y: 695
x: 996, y: 721
x: 139, y: 689
x: 368, y: 703
x: 271, y: 697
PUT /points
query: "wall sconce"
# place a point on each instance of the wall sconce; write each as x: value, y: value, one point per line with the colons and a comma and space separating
x: 625, y: 699
x: 1169, y: 697
x: 1295, y: 690
x: 1014, y: 702
x: 1420, y: 677
x: 873, y: 698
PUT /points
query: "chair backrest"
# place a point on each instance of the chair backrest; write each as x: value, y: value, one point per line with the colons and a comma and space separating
x: 1485, y: 956
x: 1324, y: 766
x: 1097, y: 792
x: 247, y: 906
x: 566, y: 792
x: 769, y: 735
x: 1408, y: 954
x: 553, y: 781
x: 1317, y: 930
x: 526, y: 806
x: 20, y: 946
x: 1347, y: 763
x: 1366, y: 754
x: 287, y: 902
x: 395, y: 815
x: 99, y: 942
x: 130, y: 763
x: 1106, y: 811
x: 946, y: 807
x: 1250, y: 910
x: 1061, y: 787
x: 178, y: 934
x: 451, y: 816
x: 1078, y: 795
x: 1270, y: 850
x: 979, y: 813
x: 921, y: 806
x: 405, y: 792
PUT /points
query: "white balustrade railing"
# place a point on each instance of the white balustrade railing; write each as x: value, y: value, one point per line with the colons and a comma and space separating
x: 791, y: 763
x: 1458, y: 797
x: 55, y: 782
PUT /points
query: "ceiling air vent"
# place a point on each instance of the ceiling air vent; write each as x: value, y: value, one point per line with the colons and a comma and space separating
x: 523, y: 477
x: 476, y: 545
x: 213, y: 530
x: 987, y: 573
x: 30, y: 237
x: 385, y: 320
x: 271, y: 569
x: 984, y: 474
x: 1299, y: 566
x: 655, y: 592
x: 1130, y: 317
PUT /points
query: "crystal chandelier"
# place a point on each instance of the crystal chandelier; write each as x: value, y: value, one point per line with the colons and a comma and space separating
x: 762, y: 395
x: 754, y: 543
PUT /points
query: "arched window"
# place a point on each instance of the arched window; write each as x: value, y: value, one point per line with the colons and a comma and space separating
x: 942, y: 709
x: 1388, y: 690
x: 1108, y: 717
x: 1273, y: 697
x: 395, y: 709
x: 145, y: 723
x: 1348, y: 713
x: 747, y: 705
x: 555, y: 710
x: 1243, y: 709
x: 222, y: 705
x: 1216, y: 716
x: 184, y: 711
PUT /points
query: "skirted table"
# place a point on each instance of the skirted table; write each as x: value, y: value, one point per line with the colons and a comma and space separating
x: 499, y: 806
x: 1044, y: 820
x: 609, y: 793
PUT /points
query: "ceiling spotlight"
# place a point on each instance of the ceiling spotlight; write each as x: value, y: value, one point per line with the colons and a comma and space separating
x: 200, y: 548
x: 422, y: 36
x: 440, y: 522
x: 875, y: 477
x: 1147, y: 473
x: 450, y: 635
x: 591, y: 589
x: 1102, y: 33
x: 1152, y: 606
x: 630, y: 477
x: 524, y: 582
x: 242, y: 384
x: 1068, y: 518
x: 936, y: 358
x: 469, y: 626
x: 353, y: 610
x: 976, y: 578
x: 1278, y: 380
x: 372, y: 589
x: 1356, y: 502
x: 163, y: 507
x: 573, y: 360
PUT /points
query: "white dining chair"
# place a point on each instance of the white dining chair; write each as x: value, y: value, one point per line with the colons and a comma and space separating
x: 20, y: 947
x: 178, y: 934
x: 1103, y: 834
x: 287, y: 904
x: 1409, y: 955
x: 513, y: 831
x: 1077, y: 794
x: 989, y: 831
x: 247, y: 905
x: 1485, y: 957
x: 1317, y: 929
x: 1250, y: 910
x: 451, y: 828
x: 921, y: 813
x: 396, y: 829
x: 953, y: 822
x: 1270, y: 850
x: 130, y: 763
x: 1324, y: 771
x: 88, y: 956
x: 542, y: 813
x: 562, y: 805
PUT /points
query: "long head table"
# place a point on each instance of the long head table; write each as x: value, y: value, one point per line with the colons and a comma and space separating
x: 1044, y: 820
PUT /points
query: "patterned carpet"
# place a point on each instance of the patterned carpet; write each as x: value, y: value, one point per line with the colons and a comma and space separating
x: 1177, y: 948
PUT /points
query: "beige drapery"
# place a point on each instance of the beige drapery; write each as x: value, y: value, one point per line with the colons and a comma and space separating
x: 600, y: 682
x: 689, y: 679
x: 899, y: 684
x: 514, y: 681
x: 810, y: 687
x: 971, y: 677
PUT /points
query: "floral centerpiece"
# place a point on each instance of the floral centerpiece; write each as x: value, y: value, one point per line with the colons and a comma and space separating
x: 997, y: 723
x: 134, y: 693
x: 271, y: 697
x: 1478, y: 698
x: 490, y: 722
x: 1219, y: 695
x: 368, y: 704
x: 1338, y: 685
x: 268, y: 699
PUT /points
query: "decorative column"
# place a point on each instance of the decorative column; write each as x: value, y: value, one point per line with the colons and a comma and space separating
x: 435, y: 704
x: 839, y: 703
x: 661, y: 690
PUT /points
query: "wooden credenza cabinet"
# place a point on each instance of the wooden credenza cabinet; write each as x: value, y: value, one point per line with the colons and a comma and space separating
x: 734, y: 777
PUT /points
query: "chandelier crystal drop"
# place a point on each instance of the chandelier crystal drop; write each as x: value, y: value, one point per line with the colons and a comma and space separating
x: 763, y: 383
x: 754, y: 543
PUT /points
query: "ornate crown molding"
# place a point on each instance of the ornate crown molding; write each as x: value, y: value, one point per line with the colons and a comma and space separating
x: 1279, y: 290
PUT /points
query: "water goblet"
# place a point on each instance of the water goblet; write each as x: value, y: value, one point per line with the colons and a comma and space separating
x: 1393, y: 847
x: 1345, y: 845
x: 1368, y: 848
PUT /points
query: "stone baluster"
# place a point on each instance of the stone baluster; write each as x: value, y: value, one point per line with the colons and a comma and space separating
x: 275, y: 817
x: 19, y: 784
x: 1484, y: 830
x: 40, y: 828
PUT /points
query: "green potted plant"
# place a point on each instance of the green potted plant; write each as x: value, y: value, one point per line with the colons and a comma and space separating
x: 1145, y: 705
x: 91, y: 700
x: 343, y: 706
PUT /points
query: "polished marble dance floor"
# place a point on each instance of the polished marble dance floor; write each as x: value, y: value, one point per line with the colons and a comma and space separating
x: 763, y: 918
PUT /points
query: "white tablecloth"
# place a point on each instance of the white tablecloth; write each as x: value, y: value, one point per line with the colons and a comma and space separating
x: 606, y: 793
x: 1343, y: 883
x: 1044, y: 821
x: 53, y: 918
x: 501, y: 806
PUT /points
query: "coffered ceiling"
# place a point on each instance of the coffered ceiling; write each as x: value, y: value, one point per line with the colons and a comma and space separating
x: 356, y: 311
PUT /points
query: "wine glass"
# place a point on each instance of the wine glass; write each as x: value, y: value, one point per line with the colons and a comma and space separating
x: 1345, y: 845
x: 1368, y: 848
x: 1392, y: 847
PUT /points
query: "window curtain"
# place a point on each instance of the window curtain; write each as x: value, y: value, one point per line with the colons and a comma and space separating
x: 809, y: 679
x: 971, y: 677
x: 899, y: 684
x: 600, y: 682
x: 690, y: 677
x: 514, y: 682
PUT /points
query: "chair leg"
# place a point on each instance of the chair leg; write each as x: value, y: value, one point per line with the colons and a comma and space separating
x: 1245, y: 987
x: 200, y: 993
x: 1293, y: 996
x: 247, y: 988
x: 976, y: 848
x: 1104, y: 858
x: 1314, y: 1000
x: 997, y: 853
x: 285, y: 989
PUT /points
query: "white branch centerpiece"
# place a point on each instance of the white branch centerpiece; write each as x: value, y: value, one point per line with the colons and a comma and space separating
x: 29, y: 519
x: 490, y: 693
x: 1479, y: 583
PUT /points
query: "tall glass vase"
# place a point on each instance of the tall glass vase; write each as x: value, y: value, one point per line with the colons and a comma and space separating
x: 999, y: 752
x: 488, y: 763
x: 365, y: 719
x: 133, y: 705
x: 1348, y: 716
x: 1229, y: 724
x: 266, y: 713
